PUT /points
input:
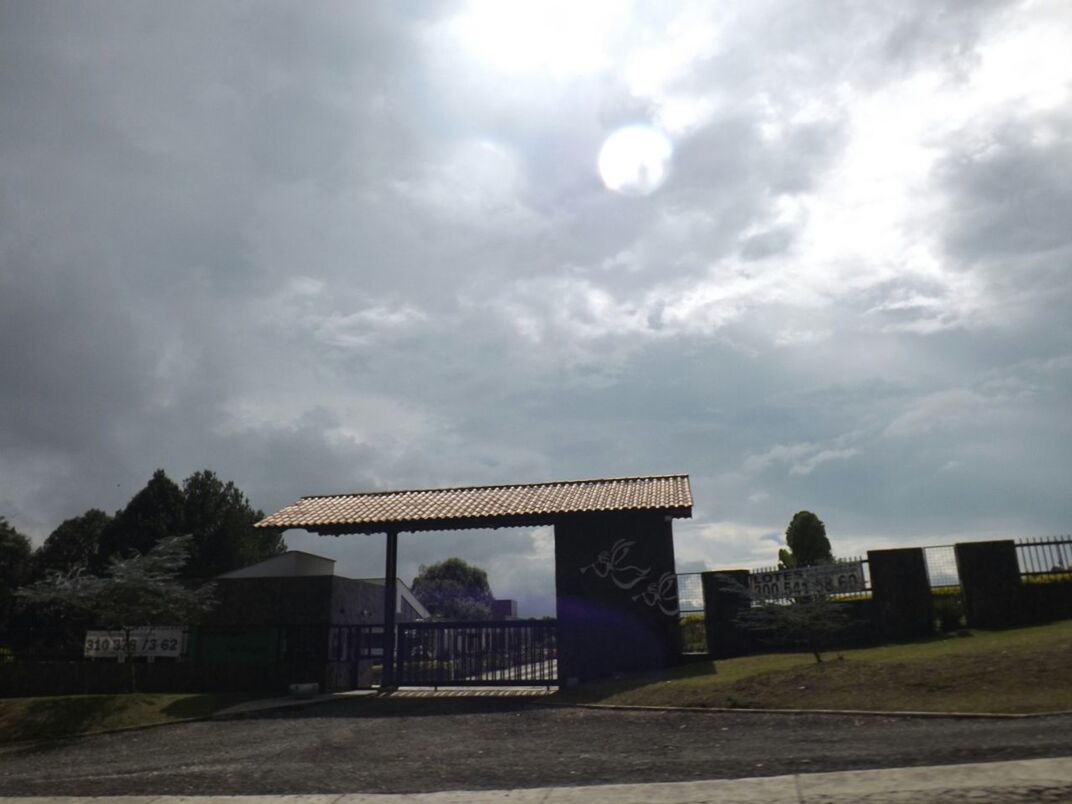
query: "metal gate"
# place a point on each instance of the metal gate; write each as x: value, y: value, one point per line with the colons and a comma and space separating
x: 504, y: 653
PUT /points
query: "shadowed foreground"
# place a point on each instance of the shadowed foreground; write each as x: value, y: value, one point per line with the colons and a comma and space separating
x: 428, y: 745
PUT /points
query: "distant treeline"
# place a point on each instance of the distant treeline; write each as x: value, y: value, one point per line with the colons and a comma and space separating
x: 217, y: 515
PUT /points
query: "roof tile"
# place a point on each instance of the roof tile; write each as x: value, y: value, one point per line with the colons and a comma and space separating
x: 659, y: 492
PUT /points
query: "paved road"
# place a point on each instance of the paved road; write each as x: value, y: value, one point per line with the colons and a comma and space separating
x: 416, y: 746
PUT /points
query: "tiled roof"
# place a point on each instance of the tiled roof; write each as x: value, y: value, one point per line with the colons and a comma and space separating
x: 536, y: 501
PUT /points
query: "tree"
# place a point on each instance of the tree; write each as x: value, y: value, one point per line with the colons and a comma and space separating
x: 142, y: 590
x: 15, y: 555
x: 216, y: 514
x: 808, y: 545
x: 812, y: 622
x: 454, y: 590
x: 220, y: 519
x: 153, y: 514
x: 75, y: 543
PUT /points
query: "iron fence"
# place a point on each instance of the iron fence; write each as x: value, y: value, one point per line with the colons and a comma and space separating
x: 690, y: 599
x: 1048, y: 559
x: 55, y: 644
x: 348, y: 643
x: 941, y: 560
x: 500, y: 653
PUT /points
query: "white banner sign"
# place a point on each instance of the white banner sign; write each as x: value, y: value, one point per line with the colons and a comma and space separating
x: 830, y: 579
x: 156, y: 641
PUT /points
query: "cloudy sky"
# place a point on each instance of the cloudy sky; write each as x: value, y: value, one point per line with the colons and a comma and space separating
x: 338, y: 247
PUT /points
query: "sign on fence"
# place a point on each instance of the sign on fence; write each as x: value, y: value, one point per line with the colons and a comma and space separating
x: 153, y: 641
x: 839, y: 578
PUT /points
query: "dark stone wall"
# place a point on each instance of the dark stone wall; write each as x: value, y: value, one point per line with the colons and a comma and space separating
x: 725, y: 596
x: 272, y: 601
x: 351, y: 597
x: 616, y: 588
x: 1045, y: 601
x: 990, y: 583
x: 18, y: 679
x: 310, y: 600
x: 902, y: 606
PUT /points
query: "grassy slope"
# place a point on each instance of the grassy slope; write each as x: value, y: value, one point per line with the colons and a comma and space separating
x: 1026, y: 670
x: 24, y: 719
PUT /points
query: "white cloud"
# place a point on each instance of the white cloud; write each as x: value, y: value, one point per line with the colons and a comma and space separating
x: 725, y: 544
x: 806, y: 467
x: 940, y: 410
x: 478, y: 183
x: 801, y: 458
x: 363, y: 327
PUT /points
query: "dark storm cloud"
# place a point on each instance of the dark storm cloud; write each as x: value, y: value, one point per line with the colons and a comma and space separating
x: 329, y: 248
x: 139, y: 148
x: 1011, y: 194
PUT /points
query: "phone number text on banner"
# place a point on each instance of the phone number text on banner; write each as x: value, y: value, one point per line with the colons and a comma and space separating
x: 828, y: 579
x: 161, y: 641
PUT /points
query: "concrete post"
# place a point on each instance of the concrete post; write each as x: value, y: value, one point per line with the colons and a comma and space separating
x: 990, y: 583
x: 902, y: 606
x: 390, y: 594
x: 725, y: 596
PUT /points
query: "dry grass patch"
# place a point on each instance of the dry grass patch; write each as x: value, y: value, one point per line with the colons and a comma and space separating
x: 25, y: 719
x: 1021, y: 671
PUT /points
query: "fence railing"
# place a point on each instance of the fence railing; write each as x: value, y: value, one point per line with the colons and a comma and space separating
x: 42, y: 644
x: 1051, y: 557
x: 690, y: 598
x: 1040, y: 559
x: 348, y: 643
x: 942, y: 566
x: 500, y: 653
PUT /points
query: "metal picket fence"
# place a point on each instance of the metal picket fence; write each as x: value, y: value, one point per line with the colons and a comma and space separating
x: 1045, y: 558
x: 690, y: 597
x: 942, y: 566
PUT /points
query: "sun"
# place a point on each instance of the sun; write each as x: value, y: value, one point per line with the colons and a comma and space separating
x: 635, y: 160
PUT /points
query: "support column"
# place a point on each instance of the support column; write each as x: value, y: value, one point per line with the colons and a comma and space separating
x: 616, y: 594
x: 990, y: 583
x: 390, y: 595
x: 901, y: 603
x: 725, y: 596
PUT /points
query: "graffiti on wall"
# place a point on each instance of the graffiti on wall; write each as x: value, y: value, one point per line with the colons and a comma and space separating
x: 661, y: 593
x: 611, y: 564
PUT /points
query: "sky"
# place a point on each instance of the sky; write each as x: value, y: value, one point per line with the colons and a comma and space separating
x: 816, y: 255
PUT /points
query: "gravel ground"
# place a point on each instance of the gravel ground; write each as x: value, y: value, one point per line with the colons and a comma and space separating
x: 409, y: 746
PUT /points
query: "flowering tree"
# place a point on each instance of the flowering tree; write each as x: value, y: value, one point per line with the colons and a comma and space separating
x: 454, y: 590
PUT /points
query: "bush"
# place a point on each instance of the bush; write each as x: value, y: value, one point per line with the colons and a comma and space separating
x: 693, y: 634
x: 948, y: 612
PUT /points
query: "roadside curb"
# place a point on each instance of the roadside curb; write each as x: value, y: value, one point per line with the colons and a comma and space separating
x: 535, y: 701
x: 834, y: 712
x: 297, y: 703
x: 221, y: 715
x: 19, y: 745
x: 539, y: 701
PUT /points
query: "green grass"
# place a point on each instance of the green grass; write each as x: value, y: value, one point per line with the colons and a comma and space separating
x: 25, y: 719
x: 1017, y: 671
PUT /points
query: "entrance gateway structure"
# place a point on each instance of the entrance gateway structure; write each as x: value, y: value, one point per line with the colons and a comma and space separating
x: 615, y: 580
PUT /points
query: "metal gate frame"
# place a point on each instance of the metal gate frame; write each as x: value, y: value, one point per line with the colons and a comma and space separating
x: 505, y: 653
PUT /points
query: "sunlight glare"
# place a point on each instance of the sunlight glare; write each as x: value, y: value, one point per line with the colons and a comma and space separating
x: 635, y: 160
x: 557, y: 38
